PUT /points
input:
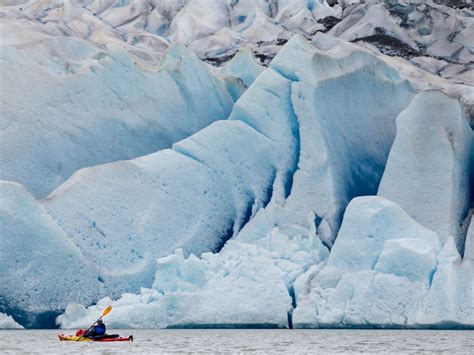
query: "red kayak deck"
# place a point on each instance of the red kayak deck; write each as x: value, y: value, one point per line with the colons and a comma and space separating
x: 130, y: 338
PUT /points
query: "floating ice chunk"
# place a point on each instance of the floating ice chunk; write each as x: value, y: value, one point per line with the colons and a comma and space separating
x: 7, y: 322
x: 42, y: 269
x: 427, y: 172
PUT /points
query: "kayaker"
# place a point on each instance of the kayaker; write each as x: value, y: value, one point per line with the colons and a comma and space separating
x: 98, y: 329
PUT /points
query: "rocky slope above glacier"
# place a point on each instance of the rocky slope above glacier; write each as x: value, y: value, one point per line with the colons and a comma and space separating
x: 436, y: 35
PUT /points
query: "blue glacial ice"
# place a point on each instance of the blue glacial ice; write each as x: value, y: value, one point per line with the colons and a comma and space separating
x: 387, y: 270
x: 428, y: 169
x: 378, y: 271
x: 332, y: 161
x: 187, y: 197
x: 337, y: 157
x: 105, y: 107
x: 195, y: 196
x: 34, y: 248
x: 185, y: 289
x: 450, y: 300
x: 187, y: 210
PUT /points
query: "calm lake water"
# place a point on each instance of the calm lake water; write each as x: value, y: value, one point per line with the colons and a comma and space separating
x: 248, y: 341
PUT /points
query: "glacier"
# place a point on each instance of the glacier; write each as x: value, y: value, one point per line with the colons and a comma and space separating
x: 278, y: 107
x: 290, y: 238
x: 241, y: 163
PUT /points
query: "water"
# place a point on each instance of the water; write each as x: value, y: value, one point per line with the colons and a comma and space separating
x: 248, y: 341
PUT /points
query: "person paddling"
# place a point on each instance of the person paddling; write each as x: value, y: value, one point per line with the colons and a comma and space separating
x: 97, y: 330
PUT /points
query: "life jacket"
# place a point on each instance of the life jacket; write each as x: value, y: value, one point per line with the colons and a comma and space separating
x: 99, y: 329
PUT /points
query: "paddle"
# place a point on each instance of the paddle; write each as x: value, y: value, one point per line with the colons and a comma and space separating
x: 104, y: 313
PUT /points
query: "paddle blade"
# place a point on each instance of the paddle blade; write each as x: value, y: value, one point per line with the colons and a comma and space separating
x: 106, y: 311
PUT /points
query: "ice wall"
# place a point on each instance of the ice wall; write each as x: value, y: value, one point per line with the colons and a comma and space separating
x: 450, y: 300
x: 42, y: 269
x: 377, y: 273
x: 331, y: 154
x: 77, y: 105
x: 344, y: 135
x: 195, y: 196
x: 386, y: 270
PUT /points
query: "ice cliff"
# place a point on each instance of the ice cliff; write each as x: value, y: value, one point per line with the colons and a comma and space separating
x: 384, y: 269
x: 105, y: 107
x: 331, y: 186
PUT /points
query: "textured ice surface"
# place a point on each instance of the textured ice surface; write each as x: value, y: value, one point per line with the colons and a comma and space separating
x: 323, y: 172
x: 386, y: 270
x: 243, y: 66
x: 88, y: 83
x: 7, y: 322
x: 344, y: 136
x: 450, y: 299
x: 42, y: 269
x: 428, y: 169
x: 241, y: 285
x: 245, y: 284
x: 77, y: 106
x: 469, y: 245
x: 194, y: 197
x: 379, y: 269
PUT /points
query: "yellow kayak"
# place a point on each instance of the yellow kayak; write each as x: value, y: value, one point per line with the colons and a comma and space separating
x: 63, y: 337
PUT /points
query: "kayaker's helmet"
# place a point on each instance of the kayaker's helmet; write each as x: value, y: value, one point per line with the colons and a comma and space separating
x: 100, y: 322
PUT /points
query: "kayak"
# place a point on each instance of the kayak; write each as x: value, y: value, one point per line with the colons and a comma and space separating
x: 63, y: 337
